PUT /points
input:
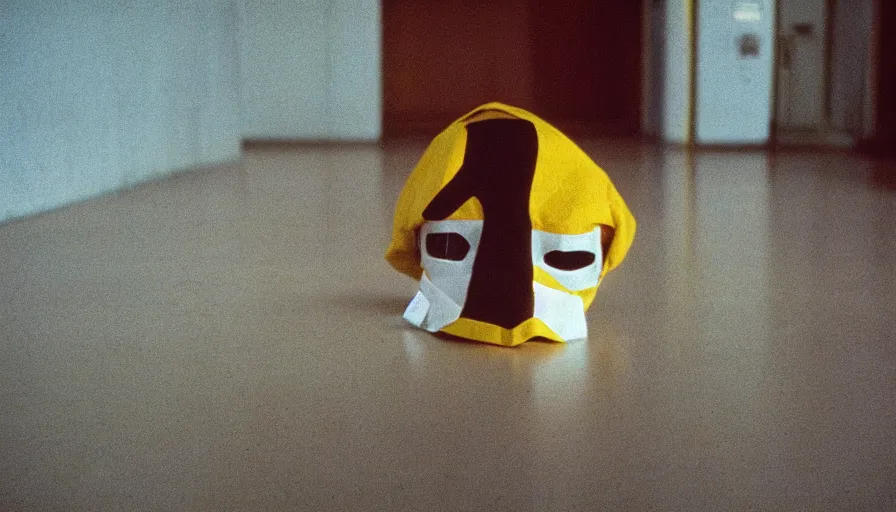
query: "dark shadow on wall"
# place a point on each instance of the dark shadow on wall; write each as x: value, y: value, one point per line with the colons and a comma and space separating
x: 577, y: 63
x: 886, y: 107
x: 883, y: 142
x: 586, y: 63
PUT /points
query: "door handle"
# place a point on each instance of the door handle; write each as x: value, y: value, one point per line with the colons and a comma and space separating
x: 785, y: 50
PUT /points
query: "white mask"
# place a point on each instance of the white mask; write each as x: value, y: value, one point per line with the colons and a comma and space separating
x: 444, y: 284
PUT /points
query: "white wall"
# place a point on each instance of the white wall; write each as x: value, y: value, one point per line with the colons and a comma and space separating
x: 734, y: 94
x: 676, y: 71
x: 95, y: 96
x: 310, y: 69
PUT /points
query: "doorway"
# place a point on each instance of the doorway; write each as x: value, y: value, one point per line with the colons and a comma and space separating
x: 801, y: 113
x: 822, y: 77
x: 576, y: 63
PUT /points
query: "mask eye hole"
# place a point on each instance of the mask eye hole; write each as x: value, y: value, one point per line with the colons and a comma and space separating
x: 447, y: 246
x: 569, y: 260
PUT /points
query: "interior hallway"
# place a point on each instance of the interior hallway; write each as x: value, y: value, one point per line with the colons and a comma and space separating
x: 230, y: 339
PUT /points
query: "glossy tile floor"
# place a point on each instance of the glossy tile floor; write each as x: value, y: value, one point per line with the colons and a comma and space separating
x: 230, y: 339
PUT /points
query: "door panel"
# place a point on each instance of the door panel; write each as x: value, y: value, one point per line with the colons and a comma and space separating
x: 801, y: 73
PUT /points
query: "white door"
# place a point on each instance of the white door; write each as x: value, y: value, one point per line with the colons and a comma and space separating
x: 734, y: 71
x: 802, y: 33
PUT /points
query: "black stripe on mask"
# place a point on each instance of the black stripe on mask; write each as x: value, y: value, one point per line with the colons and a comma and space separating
x: 498, y: 169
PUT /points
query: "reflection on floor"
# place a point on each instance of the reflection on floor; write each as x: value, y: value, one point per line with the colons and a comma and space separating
x: 231, y: 339
x: 815, y: 139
